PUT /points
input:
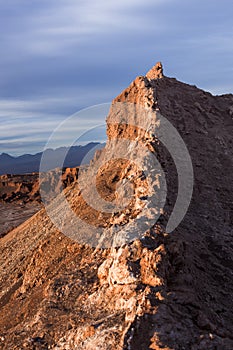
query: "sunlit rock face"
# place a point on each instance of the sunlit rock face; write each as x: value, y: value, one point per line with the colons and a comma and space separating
x: 114, y: 286
x: 156, y: 72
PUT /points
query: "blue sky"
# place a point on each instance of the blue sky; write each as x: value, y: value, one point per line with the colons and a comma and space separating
x: 59, y: 56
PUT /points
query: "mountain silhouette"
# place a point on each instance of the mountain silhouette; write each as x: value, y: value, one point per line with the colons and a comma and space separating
x: 29, y: 163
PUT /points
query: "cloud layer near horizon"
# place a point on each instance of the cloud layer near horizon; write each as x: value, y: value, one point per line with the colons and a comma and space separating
x: 60, y: 56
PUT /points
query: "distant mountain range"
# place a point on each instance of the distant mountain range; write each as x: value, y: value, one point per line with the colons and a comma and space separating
x: 29, y: 163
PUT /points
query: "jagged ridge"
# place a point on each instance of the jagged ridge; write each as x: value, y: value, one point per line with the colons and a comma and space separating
x: 160, y: 292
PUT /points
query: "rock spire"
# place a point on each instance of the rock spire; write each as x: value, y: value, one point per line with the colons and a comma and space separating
x: 156, y: 72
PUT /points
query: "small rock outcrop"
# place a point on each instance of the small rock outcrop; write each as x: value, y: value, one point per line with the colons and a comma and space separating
x: 156, y: 72
x: 25, y: 188
x: 20, y: 196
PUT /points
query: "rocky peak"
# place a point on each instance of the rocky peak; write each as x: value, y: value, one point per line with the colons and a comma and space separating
x: 156, y: 72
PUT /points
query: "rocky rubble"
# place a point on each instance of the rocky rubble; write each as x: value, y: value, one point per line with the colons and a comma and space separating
x: 158, y: 291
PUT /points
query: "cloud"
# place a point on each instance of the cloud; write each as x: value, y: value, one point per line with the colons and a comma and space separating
x: 34, y: 121
x: 53, y: 27
x: 60, y: 56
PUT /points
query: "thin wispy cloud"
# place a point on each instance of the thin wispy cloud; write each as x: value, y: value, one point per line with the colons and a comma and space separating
x: 58, y: 25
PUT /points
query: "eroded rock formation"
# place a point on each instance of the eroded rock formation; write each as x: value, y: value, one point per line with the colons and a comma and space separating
x: 159, y: 291
x: 20, y: 196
